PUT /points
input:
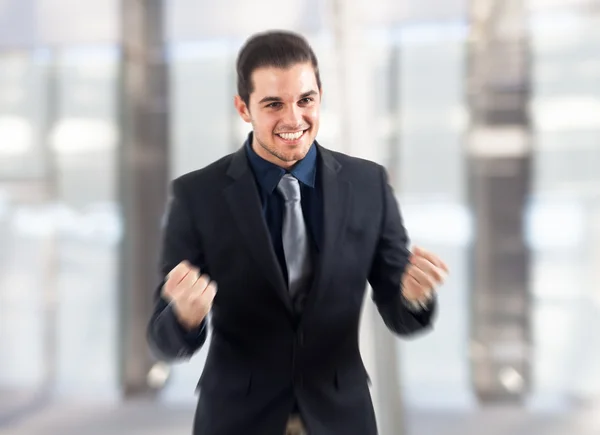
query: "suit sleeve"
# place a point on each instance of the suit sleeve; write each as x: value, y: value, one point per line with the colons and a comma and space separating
x: 389, y: 264
x: 167, y: 338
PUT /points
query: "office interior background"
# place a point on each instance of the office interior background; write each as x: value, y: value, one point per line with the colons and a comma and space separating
x: 485, y: 112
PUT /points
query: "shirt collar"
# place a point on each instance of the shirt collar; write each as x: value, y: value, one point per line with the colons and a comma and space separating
x: 268, y: 174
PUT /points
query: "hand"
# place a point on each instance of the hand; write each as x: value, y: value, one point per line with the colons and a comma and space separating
x: 423, y: 275
x: 190, y: 293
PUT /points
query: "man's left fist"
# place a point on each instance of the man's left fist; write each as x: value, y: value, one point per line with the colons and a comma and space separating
x: 423, y: 275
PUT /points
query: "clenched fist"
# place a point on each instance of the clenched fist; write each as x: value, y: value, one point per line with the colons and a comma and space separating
x: 424, y: 274
x: 190, y: 293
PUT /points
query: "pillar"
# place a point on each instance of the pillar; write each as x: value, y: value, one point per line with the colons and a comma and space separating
x: 499, y: 172
x: 143, y: 178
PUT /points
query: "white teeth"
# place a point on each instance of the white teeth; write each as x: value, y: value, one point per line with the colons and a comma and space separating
x: 291, y: 136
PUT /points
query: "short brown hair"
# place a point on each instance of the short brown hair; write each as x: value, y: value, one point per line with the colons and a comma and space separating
x: 280, y: 49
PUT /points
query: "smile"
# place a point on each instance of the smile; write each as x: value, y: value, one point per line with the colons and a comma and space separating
x: 291, y: 136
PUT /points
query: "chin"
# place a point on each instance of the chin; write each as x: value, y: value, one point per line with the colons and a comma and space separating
x: 298, y: 156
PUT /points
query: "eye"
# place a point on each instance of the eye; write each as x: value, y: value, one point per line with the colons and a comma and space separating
x: 306, y: 100
x: 274, y: 105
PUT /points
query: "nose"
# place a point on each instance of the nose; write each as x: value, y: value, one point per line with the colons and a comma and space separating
x: 292, y: 116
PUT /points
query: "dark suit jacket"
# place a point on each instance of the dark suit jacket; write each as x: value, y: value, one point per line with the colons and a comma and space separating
x: 261, y: 354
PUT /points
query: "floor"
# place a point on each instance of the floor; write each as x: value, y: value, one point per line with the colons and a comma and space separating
x: 147, y: 418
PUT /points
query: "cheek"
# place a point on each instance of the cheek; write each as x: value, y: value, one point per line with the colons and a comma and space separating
x: 264, y: 123
x: 312, y: 115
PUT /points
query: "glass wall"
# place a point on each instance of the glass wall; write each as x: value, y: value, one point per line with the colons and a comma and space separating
x: 84, y: 141
x: 431, y: 181
x: 565, y: 207
x: 25, y: 248
x: 60, y: 225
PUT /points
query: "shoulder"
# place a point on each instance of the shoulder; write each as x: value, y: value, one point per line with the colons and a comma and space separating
x: 210, y: 175
x: 354, y: 167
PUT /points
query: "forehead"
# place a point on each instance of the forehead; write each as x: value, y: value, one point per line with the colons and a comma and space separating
x: 284, y: 82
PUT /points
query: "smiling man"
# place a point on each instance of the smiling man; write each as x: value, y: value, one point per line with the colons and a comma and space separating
x: 291, y: 233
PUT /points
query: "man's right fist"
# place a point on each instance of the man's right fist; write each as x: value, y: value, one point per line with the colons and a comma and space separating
x: 190, y: 293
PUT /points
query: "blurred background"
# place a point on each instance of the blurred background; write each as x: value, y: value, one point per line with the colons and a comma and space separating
x: 485, y: 112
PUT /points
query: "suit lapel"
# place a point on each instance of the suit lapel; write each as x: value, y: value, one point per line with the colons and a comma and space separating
x: 244, y: 201
x: 336, y: 204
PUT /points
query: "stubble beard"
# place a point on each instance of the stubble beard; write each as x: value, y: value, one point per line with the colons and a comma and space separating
x: 289, y: 158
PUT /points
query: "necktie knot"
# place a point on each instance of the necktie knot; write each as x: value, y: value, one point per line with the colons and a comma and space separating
x: 289, y: 188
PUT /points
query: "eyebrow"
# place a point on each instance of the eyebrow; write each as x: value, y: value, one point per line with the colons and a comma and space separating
x: 277, y: 99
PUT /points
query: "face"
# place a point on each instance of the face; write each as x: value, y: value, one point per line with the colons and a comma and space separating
x: 284, y: 112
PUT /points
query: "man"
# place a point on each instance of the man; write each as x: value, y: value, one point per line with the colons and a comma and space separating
x: 291, y: 232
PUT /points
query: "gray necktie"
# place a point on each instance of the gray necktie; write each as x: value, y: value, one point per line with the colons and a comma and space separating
x: 294, y: 236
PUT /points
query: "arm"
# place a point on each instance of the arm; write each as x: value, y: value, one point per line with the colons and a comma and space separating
x: 387, y: 270
x: 167, y: 337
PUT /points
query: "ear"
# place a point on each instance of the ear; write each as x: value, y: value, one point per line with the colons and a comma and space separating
x: 242, y: 108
